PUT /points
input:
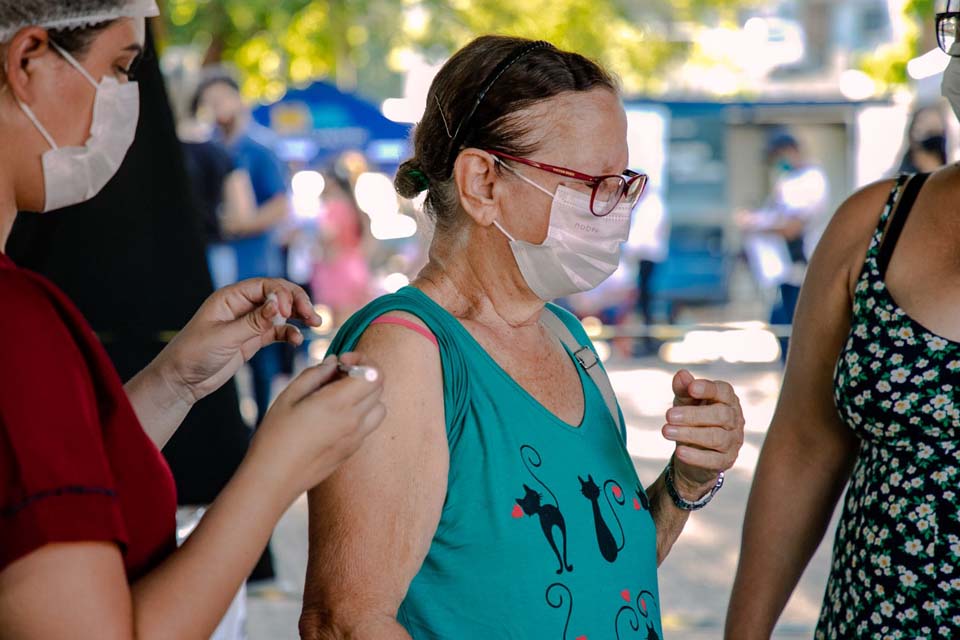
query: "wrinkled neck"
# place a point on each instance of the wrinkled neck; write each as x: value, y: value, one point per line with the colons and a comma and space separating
x: 473, y: 274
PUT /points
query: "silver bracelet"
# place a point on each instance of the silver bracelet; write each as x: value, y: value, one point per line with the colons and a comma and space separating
x: 686, y: 505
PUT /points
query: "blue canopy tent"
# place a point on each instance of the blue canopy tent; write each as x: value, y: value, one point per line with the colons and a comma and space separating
x: 320, y: 121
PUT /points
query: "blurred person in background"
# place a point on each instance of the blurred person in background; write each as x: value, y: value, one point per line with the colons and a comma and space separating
x: 218, y: 100
x: 223, y: 194
x: 929, y: 154
x: 927, y: 123
x: 341, y: 273
x: 869, y: 405
x: 649, y: 244
x: 87, y: 503
x: 790, y: 225
x: 476, y: 513
x: 254, y: 241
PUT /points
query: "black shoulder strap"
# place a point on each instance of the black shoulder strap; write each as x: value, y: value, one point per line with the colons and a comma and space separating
x: 899, y: 220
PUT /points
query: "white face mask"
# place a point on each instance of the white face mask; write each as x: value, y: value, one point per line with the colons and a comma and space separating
x: 950, y: 85
x: 581, y: 250
x: 75, y: 174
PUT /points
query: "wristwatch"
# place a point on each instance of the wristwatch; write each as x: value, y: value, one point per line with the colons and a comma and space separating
x: 686, y: 505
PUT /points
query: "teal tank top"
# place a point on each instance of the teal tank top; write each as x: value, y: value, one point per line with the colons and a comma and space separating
x: 546, y: 532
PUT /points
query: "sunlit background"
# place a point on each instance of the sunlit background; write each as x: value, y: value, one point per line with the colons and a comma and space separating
x: 707, y: 84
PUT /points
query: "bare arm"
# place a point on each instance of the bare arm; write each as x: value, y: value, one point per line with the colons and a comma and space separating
x: 270, y: 214
x: 372, y: 522
x: 227, y: 330
x: 808, y: 453
x: 790, y: 227
x: 183, y: 598
x: 706, y: 422
x: 239, y: 202
x: 80, y: 590
x: 668, y: 519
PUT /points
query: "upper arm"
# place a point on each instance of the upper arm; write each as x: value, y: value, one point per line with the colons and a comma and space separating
x: 73, y: 591
x: 372, y: 522
x: 275, y: 210
x: 806, y: 411
x: 238, y: 194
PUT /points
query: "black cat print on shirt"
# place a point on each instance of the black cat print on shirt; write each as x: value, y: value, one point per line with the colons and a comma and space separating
x: 551, y: 519
x: 609, y: 548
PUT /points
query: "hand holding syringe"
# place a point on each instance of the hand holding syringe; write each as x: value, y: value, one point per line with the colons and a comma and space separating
x: 356, y: 371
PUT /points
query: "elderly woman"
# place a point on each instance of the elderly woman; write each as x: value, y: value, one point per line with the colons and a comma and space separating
x: 87, y: 503
x: 498, y: 499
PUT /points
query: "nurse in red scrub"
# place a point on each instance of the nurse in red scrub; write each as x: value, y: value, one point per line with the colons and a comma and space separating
x: 87, y: 504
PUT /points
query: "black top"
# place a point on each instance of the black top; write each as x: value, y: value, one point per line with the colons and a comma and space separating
x: 208, y: 164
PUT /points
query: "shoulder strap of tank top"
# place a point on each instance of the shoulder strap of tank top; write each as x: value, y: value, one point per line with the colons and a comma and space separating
x: 898, y: 220
x: 586, y: 358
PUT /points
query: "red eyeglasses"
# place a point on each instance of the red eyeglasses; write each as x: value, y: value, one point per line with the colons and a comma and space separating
x: 607, y: 191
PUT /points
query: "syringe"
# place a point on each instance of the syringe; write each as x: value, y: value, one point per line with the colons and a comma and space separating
x: 356, y: 371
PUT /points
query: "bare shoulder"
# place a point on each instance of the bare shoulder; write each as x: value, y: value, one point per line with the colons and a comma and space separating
x: 402, y: 334
x: 844, y: 245
x: 409, y: 358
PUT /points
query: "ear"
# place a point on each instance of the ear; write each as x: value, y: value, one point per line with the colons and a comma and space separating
x: 23, y: 56
x: 475, y: 173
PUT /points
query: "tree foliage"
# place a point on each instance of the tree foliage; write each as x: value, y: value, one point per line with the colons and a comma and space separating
x: 362, y: 43
x: 888, y: 64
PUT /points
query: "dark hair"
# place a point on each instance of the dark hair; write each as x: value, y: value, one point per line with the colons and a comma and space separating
x: 474, y: 101
x: 77, y: 42
x: 210, y: 81
x: 781, y: 142
x: 935, y: 145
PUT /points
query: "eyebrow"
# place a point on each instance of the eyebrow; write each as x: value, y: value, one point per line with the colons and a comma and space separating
x: 135, y: 47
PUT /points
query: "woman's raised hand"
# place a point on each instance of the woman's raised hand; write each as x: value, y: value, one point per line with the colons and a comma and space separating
x: 706, y: 421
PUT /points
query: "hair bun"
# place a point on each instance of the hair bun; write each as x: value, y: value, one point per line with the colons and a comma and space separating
x: 411, y: 181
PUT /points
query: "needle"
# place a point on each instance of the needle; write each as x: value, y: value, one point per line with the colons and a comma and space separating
x: 366, y: 373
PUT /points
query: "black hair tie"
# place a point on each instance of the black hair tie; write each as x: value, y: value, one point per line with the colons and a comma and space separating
x: 460, y: 135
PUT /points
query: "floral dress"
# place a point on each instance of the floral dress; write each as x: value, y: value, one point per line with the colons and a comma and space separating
x: 896, y: 564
